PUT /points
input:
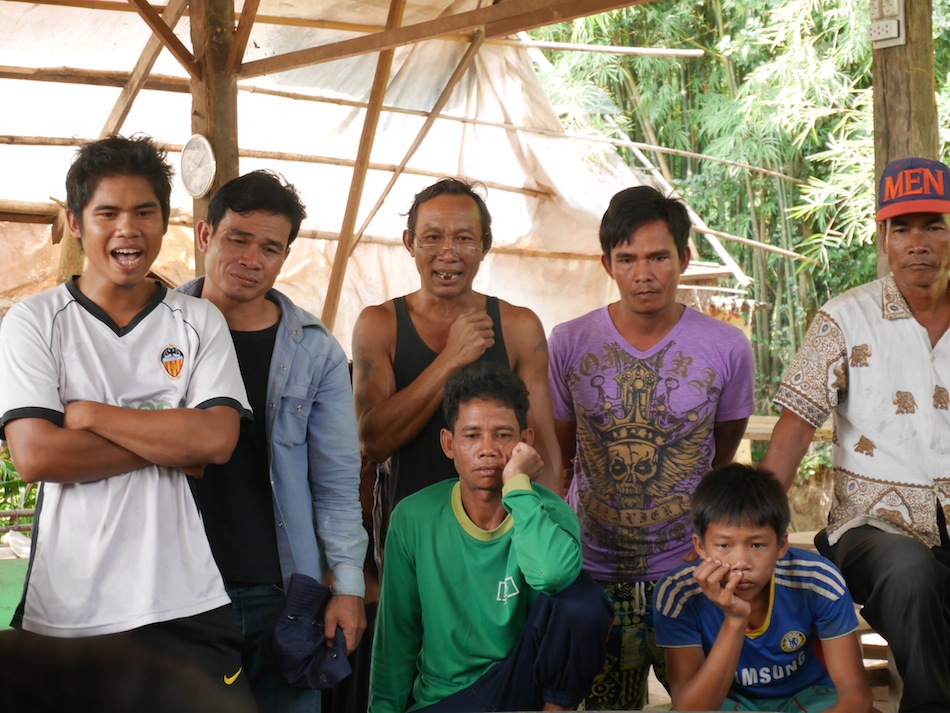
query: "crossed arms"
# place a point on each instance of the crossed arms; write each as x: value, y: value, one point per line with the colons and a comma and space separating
x: 99, y: 441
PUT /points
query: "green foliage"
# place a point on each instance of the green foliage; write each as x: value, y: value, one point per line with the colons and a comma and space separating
x: 14, y: 493
x: 783, y: 85
x: 816, y: 463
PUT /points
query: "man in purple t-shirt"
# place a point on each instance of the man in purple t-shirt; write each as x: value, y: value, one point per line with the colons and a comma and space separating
x: 648, y: 396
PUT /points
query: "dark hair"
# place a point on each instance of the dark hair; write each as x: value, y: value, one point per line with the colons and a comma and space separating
x: 266, y: 191
x: 118, y: 156
x: 453, y: 187
x: 633, y: 208
x: 485, y: 381
x: 737, y: 493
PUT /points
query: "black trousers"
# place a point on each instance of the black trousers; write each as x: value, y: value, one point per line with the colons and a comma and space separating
x: 560, y: 651
x: 905, y: 589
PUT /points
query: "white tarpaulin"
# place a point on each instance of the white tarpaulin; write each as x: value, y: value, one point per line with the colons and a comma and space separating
x: 546, y: 192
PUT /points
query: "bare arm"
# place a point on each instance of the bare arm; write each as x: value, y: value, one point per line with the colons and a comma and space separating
x: 176, y: 438
x: 43, y: 451
x: 702, y: 682
x: 728, y: 435
x: 566, y: 432
x: 531, y: 364
x: 846, y: 668
x: 790, y: 440
x: 389, y: 419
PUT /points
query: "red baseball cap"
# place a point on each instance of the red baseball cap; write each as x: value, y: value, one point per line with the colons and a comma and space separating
x: 913, y: 185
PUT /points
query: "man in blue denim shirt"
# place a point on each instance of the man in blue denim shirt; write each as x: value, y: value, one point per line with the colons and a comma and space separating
x: 288, y: 500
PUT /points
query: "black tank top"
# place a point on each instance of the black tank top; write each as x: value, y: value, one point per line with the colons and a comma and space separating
x: 421, y: 462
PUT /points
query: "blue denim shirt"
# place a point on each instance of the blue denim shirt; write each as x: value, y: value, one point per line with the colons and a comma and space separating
x: 314, y: 451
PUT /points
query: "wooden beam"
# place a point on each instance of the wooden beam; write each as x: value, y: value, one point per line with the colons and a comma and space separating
x: 752, y: 244
x: 760, y: 429
x: 365, y: 28
x: 140, y: 72
x: 905, y: 107
x: 161, y: 30
x: 526, y: 17
x: 177, y: 84
x: 276, y: 156
x: 598, y: 49
x: 242, y: 34
x: 460, y: 70
x: 123, y: 6
x: 522, y: 15
x: 376, y: 96
x: 93, y: 77
x: 214, y: 96
x: 27, y: 212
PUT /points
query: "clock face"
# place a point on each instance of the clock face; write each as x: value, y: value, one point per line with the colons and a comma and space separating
x: 197, y: 165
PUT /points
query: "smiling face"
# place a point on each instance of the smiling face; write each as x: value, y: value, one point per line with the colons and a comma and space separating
x: 750, y: 549
x: 647, y: 270
x: 122, y: 229
x: 453, y: 221
x: 481, y: 441
x: 918, y: 250
x: 244, y: 255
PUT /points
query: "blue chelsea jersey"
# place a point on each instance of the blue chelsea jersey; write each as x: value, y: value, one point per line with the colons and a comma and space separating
x: 809, y: 602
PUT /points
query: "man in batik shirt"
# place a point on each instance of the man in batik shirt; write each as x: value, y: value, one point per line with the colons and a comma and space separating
x: 878, y: 358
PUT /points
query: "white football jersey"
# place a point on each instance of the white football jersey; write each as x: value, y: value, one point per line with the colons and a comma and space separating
x: 129, y: 550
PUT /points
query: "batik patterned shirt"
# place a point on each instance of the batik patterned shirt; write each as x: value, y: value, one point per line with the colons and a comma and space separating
x: 868, y: 361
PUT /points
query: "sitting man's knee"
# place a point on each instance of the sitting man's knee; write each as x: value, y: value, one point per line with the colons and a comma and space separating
x: 912, y: 572
x: 584, y: 603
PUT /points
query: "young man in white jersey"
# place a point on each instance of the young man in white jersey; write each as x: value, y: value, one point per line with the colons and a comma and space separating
x: 112, y: 389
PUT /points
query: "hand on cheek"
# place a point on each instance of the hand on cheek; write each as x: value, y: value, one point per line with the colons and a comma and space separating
x: 522, y: 459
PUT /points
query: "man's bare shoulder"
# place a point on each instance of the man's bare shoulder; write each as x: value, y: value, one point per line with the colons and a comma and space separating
x: 521, y: 317
x: 376, y: 325
x: 523, y: 332
x: 376, y: 316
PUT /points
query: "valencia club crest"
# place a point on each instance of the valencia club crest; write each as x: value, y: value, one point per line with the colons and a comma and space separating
x: 172, y: 361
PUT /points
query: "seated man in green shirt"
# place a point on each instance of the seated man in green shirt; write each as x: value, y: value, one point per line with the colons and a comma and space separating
x: 484, y: 606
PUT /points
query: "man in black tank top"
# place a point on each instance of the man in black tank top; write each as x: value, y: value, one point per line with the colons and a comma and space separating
x: 405, y: 350
x: 424, y: 464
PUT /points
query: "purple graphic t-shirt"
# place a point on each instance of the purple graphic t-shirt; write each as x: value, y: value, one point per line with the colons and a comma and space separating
x: 644, y: 432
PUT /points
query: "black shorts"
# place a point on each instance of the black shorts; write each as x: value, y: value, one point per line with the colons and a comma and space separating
x: 209, y: 642
x: 171, y: 667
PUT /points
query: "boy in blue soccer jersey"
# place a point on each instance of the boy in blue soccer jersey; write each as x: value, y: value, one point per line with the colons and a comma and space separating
x: 753, y: 625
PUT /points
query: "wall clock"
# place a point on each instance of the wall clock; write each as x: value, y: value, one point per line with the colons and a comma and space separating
x: 197, y: 166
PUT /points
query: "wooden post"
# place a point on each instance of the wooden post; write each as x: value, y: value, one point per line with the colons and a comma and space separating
x: 214, y: 96
x: 72, y: 260
x: 905, y: 106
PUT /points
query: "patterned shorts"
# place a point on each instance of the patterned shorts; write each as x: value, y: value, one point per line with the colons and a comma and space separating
x: 631, y: 650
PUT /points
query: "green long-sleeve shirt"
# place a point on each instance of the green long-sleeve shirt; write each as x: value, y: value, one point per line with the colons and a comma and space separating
x: 455, y: 597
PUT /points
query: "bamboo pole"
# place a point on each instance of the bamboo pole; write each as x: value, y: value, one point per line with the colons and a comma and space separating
x: 440, y: 103
x: 140, y: 72
x: 377, y: 94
